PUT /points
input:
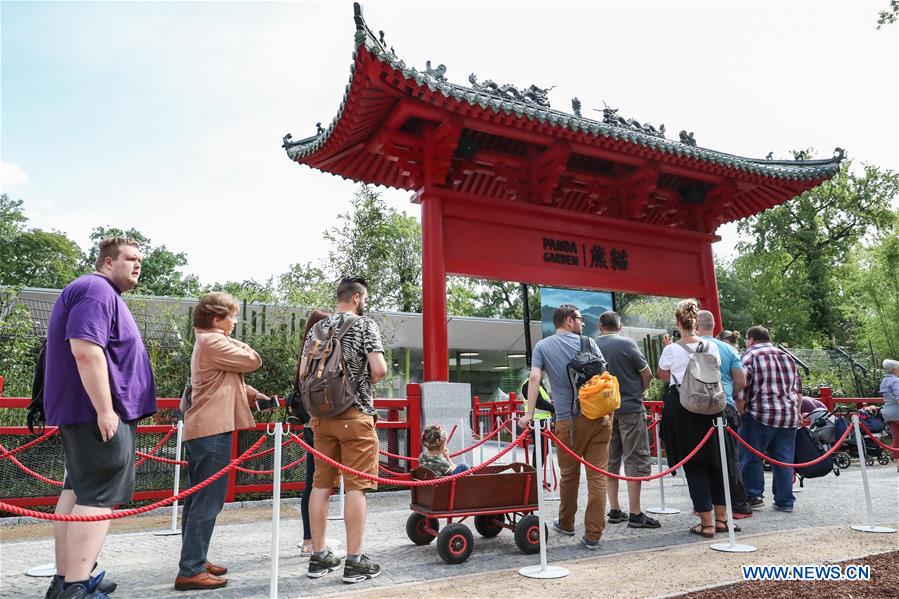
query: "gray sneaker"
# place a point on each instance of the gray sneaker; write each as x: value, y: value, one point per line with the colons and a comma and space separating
x: 364, y: 569
x: 558, y: 528
x: 319, y: 566
x: 591, y: 545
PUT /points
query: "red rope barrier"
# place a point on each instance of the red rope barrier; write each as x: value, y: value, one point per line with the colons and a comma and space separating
x: 824, y: 456
x: 402, y: 475
x: 406, y: 483
x: 149, y: 456
x: 31, y: 443
x: 272, y: 471
x: 397, y: 456
x: 689, y: 457
x: 482, y: 441
x: 452, y: 432
x: 876, y: 440
x: 156, y: 447
x: 30, y: 472
x: 14, y: 509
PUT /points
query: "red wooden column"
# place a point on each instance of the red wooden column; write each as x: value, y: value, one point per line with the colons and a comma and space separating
x: 710, y: 301
x: 433, y: 294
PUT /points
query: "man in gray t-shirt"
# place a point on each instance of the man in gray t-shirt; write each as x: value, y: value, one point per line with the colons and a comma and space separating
x: 588, y: 438
x: 629, y: 443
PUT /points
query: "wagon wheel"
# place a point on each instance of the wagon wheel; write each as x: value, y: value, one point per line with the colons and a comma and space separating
x: 455, y: 543
x: 415, y: 529
x: 527, y: 534
x: 842, y: 459
x: 883, y: 459
x: 488, y: 526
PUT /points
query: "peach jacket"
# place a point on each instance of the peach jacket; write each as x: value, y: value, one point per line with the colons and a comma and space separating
x: 221, y: 400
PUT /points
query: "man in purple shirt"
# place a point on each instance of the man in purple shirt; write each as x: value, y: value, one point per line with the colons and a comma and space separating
x: 99, y: 383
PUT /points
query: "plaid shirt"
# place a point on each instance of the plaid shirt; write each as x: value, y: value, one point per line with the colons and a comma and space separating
x: 772, y: 386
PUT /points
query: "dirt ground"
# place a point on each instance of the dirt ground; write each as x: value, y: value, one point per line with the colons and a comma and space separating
x: 671, y: 572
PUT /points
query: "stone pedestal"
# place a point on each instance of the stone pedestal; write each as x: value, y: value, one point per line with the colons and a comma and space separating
x: 449, y: 405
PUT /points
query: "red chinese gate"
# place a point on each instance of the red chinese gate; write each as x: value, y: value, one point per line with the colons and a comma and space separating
x: 511, y: 189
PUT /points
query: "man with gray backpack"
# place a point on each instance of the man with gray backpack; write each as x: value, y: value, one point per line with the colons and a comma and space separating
x: 343, y: 357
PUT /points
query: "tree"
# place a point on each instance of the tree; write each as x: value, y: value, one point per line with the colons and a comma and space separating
x: 811, y: 235
x: 734, y: 297
x: 161, y: 268
x: 34, y: 257
x: 247, y: 290
x: 889, y: 16
x: 384, y: 246
x: 306, y: 285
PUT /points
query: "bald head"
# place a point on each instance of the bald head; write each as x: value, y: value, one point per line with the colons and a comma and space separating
x: 705, y: 322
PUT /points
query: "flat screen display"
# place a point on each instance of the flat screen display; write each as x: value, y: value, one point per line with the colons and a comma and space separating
x: 590, y: 303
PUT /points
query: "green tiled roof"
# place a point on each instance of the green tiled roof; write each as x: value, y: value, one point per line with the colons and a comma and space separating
x: 799, y: 170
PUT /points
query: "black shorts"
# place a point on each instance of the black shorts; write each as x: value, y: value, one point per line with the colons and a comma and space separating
x: 101, y: 474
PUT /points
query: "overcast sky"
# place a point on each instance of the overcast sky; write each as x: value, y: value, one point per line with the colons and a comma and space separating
x: 168, y: 117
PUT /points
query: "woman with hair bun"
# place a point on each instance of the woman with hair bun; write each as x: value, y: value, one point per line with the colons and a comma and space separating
x: 682, y: 431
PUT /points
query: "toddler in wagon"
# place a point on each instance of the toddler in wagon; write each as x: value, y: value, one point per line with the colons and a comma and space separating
x: 435, y: 456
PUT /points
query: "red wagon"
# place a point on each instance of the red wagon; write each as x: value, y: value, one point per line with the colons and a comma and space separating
x: 497, y: 497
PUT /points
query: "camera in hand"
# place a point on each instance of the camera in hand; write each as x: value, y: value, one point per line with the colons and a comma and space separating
x: 266, y: 404
x: 675, y: 334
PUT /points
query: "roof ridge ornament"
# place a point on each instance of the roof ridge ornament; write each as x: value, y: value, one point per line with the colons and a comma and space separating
x: 531, y: 95
x: 687, y: 138
x: 610, y: 117
x: 439, y: 73
x: 576, y: 107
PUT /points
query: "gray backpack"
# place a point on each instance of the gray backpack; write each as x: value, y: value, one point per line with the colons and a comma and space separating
x: 701, y: 391
x: 325, y: 385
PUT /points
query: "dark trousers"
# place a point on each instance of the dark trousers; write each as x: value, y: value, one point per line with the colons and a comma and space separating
x: 206, y: 456
x: 309, y: 438
x: 705, y: 485
x: 735, y: 473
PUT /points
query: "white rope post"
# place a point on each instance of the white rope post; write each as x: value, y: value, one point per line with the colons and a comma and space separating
x: 554, y: 494
x: 542, y: 570
x: 481, y: 446
x: 656, y: 418
x: 173, y: 530
x: 514, y: 436
x: 871, y: 526
x: 732, y: 546
x: 276, y: 511
x: 340, y: 501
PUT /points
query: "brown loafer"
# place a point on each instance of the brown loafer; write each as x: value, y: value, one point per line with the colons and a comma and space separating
x: 199, y: 582
x: 216, y: 570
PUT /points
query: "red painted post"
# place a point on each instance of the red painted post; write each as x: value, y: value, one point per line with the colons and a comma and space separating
x: 232, y: 475
x: 413, y: 417
x: 710, y: 301
x: 433, y: 294
x: 825, y: 394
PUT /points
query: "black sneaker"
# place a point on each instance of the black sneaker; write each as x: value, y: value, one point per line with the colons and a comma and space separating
x: 755, y: 502
x: 364, y: 569
x: 616, y: 516
x: 55, y: 589
x: 558, y: 528
x: 641, y: 520
x: 319, y: 566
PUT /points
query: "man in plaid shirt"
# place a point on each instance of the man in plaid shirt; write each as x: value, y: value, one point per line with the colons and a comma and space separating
x: 770, y: 417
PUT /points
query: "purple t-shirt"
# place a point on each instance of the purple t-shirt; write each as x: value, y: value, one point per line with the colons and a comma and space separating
x: 91, y: 308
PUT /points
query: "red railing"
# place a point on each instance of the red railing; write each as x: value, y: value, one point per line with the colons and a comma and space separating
x: 402, y: 415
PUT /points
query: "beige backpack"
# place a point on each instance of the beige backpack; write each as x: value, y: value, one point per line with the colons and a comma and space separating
x: 701, y: 391
x: 325, y: 385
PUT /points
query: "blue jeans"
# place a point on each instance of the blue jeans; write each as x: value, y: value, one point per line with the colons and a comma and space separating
x: 780, y: 444
x: 460, y: 468
x: 206, y: 456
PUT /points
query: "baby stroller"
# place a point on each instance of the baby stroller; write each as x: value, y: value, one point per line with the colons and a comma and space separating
x: 827, y: 427
x: 849, y: 449
x: 811, y: 445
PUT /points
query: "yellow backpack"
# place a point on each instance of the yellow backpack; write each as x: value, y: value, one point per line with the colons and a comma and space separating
x: 599, y: 396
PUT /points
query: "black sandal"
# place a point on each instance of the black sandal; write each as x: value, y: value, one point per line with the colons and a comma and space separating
x: 723, y: 523
x: 699, y: 529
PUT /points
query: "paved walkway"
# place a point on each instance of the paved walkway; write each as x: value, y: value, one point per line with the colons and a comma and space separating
x: 145, y: 565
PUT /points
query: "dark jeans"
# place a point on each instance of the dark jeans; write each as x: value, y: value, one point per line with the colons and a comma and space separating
x: 206, y: 456
x: 780, y: 444
x: 309, y: 438
x: 735, y: 473
x: 705, y: 485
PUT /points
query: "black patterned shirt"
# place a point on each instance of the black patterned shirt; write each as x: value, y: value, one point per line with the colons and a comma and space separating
x: 361, y: 339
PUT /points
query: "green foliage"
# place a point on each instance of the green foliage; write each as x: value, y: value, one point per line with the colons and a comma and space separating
x: 889, y: 16
x: 808, y: 238
x: 18, y: 347
x: 651, y: 312
x: 306, y: 285
x: 33, y: 257
x: 161, y: 268
x: 279, y: 359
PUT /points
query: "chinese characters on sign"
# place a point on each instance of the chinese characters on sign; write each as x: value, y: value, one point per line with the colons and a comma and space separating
x: 569, y: 253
